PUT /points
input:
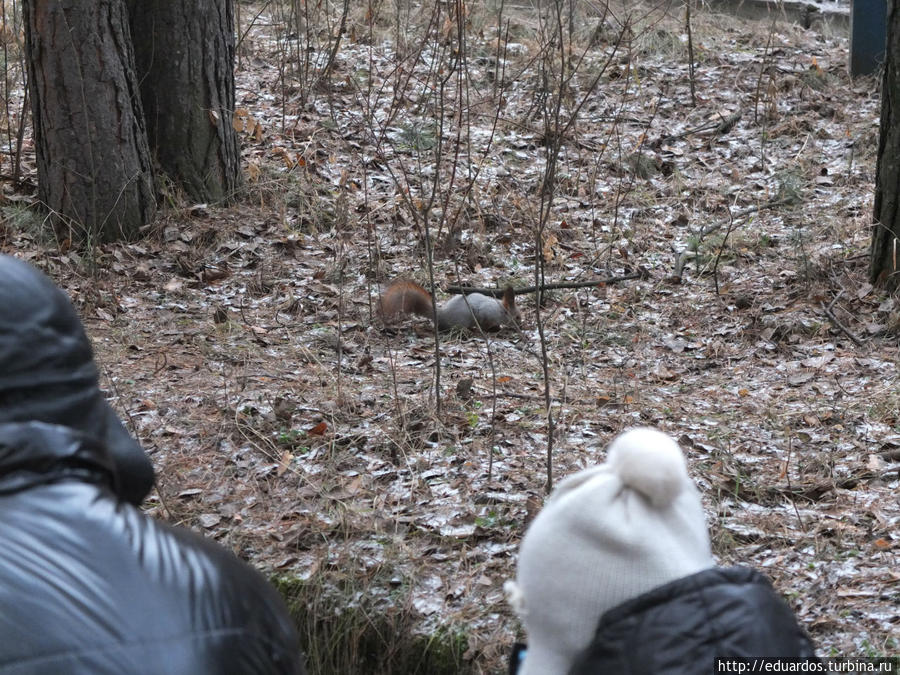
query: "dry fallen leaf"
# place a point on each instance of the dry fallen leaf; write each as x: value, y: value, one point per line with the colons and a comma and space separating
x: 285, y: 463
x: 209, y: 520
x: 318, y: 430
x: 174, y: 284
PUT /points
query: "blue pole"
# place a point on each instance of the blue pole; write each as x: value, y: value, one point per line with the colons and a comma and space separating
x: 868, y: 35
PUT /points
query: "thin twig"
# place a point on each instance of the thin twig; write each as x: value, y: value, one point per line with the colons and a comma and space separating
x: 787, y: 475
x: 723, y: 126
x: 831, y: 317
x: 746, y: 212
x: 336, y: 45
x: 722, y: 248
x: 690, y: 38
x: 522, y: 290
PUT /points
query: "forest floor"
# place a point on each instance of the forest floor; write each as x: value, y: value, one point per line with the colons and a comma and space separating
x: 286, y: 422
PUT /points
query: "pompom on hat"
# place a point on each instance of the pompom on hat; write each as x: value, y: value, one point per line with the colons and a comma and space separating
x: 607, y: 534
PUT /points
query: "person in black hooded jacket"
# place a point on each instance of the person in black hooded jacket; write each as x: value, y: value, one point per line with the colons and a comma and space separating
x: 615, y: 575
x: 88, y: 583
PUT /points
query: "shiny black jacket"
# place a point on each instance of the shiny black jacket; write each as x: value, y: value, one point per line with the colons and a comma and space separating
x: 88, y: 583
x: 681, y: 627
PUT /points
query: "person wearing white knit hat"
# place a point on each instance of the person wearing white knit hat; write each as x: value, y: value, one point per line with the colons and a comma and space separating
x: 609, y: 540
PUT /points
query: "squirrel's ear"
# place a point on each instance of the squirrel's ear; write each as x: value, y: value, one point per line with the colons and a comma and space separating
x: 509, y: 297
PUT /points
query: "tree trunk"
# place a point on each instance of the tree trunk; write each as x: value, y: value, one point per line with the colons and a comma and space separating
x: 886, y: 231
x: 94, y: 168
x: 185, y: 61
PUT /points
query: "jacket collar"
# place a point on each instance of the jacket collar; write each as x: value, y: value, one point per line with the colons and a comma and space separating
x: 681, y: 587
x: 34, y: 453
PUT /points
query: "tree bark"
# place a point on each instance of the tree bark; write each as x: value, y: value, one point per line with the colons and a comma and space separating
x: 94, y: 166
x: 185, y: 61
x: 885, y: 248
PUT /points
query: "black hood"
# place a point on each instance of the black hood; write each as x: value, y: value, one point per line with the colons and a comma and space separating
x: 48, y: 375
x: 32, y: 453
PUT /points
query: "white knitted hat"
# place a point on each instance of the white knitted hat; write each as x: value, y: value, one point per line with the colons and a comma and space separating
x: 607, y: 534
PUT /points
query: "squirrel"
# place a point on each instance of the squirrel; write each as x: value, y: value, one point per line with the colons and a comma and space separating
x: 469, y: 311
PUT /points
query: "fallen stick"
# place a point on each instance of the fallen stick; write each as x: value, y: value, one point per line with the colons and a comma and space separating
x: 838, y: 324
x: 497, y: 292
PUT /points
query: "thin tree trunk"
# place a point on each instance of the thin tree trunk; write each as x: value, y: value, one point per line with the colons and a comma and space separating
x: 885, y: 248
x: 185, y: 61
x: 94, y: 168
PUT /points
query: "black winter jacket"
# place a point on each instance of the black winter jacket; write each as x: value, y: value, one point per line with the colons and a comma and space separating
x: 47, y: 373
x: 90, y: 585
x: 681, y: 627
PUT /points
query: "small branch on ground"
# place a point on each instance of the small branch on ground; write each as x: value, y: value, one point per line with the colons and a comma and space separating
x: 642, y: 273
x: 831, y: 317
x: 746, y: 212
x: 725, y: 125
x: 685, y: 256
